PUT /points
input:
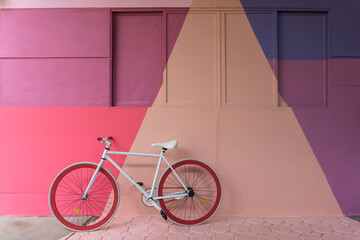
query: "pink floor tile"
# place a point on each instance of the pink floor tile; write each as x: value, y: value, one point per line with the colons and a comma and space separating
x: 240, y: 228
x: 281, y: 228
x: 293, y: 220
x: 222, y: 236
x: 138, y: 228
x: 179, y: 229
x: 156, y: 237
x: 158, y: 228
x: 274, y: 220
x: 308, y: 236
x: 261, y: 228
x: 352, y: 236
x: 219, y: 228
x: 328, y: 236
x: 311, y: 220
x: 244, y: 236
x: 341, y: 228
x: 289, y: 236
x: 134, y: 237
x: 204, y: 228
x: 301, y: 228
x: 255, y: 220
x: 232, y: 228
x: 322, y: 228
x: 327, y: 219
x: 200, y: 236
x: 178, y: 236
x: 112, y: 237
x: 268, y: 237
x: 236, y: 220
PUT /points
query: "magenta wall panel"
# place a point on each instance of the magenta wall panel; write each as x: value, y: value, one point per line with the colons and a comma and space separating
x: 137, y: 58
x: 55, y: 33
x: 55, y: 82
x: 303, y: 83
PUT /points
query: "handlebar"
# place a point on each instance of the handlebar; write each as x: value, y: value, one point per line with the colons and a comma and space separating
x: 105, y: 140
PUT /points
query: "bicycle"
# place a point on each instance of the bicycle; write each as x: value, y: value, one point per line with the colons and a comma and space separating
x: 85, y: 196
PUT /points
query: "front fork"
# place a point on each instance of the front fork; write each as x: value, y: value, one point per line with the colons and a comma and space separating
x: 92, y: 180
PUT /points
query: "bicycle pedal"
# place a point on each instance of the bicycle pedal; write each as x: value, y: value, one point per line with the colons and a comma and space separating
x: 163, y: 215
x: 140, y: 183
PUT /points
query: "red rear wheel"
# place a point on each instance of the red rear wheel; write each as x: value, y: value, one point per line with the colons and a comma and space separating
x: 75, y: 213
x: 203, y: 199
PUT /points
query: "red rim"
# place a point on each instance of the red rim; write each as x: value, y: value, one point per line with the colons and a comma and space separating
x: 217, y: 200
x: 53, y: 198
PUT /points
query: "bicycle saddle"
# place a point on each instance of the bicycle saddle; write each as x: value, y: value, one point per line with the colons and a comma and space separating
x: 168, y: 145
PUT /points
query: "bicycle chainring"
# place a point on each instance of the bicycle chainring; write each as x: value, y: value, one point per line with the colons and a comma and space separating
x: 144, y: 199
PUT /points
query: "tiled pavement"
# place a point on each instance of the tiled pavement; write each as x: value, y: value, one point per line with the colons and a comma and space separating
x: 244, y: 228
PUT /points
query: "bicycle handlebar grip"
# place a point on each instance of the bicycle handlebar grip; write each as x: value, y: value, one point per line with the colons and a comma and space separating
x: 110, y: 138
x: 99, y: 139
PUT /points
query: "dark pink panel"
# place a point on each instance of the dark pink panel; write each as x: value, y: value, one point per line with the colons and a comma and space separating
x: 55, y: 33
x: 346, y: 71
x: 55, y: 82
x: 303, y: 83
x: 137, y: 58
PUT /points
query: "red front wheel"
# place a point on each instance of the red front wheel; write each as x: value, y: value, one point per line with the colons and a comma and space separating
x: 204, y: 195
x: 76, y: 213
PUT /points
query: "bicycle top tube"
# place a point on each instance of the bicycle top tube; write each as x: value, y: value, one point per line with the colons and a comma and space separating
x: 135, y: 154
x: 165, y: 146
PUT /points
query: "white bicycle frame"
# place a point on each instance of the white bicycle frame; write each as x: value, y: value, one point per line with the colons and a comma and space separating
x: 150, y: 196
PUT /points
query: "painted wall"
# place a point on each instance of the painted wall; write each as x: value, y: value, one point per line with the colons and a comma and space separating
x: 332, y: 131
x: 219, y: 93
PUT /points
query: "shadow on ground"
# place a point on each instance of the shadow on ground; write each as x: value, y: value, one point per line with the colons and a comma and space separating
x: 31, y: 228
x: 357, y: 218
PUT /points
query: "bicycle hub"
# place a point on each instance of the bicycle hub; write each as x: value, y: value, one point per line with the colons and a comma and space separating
x: 191, y: 192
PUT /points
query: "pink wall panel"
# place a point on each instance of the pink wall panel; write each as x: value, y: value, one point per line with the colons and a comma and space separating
x: 38, y: 142
x: 93, y: 3
x: 55, y: 33
x: 55, y: 82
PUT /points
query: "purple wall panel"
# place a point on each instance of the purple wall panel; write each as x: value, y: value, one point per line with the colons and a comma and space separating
x: 345, y: 30
x: 55, y: 82
x: 302, y: 67
x: 346, y: 71
x: 55, y: 33
x: 302, y: 35
x: 302, y: 83
x: 334, y: 136
x: 137, y: 59
x: 263, y: 25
